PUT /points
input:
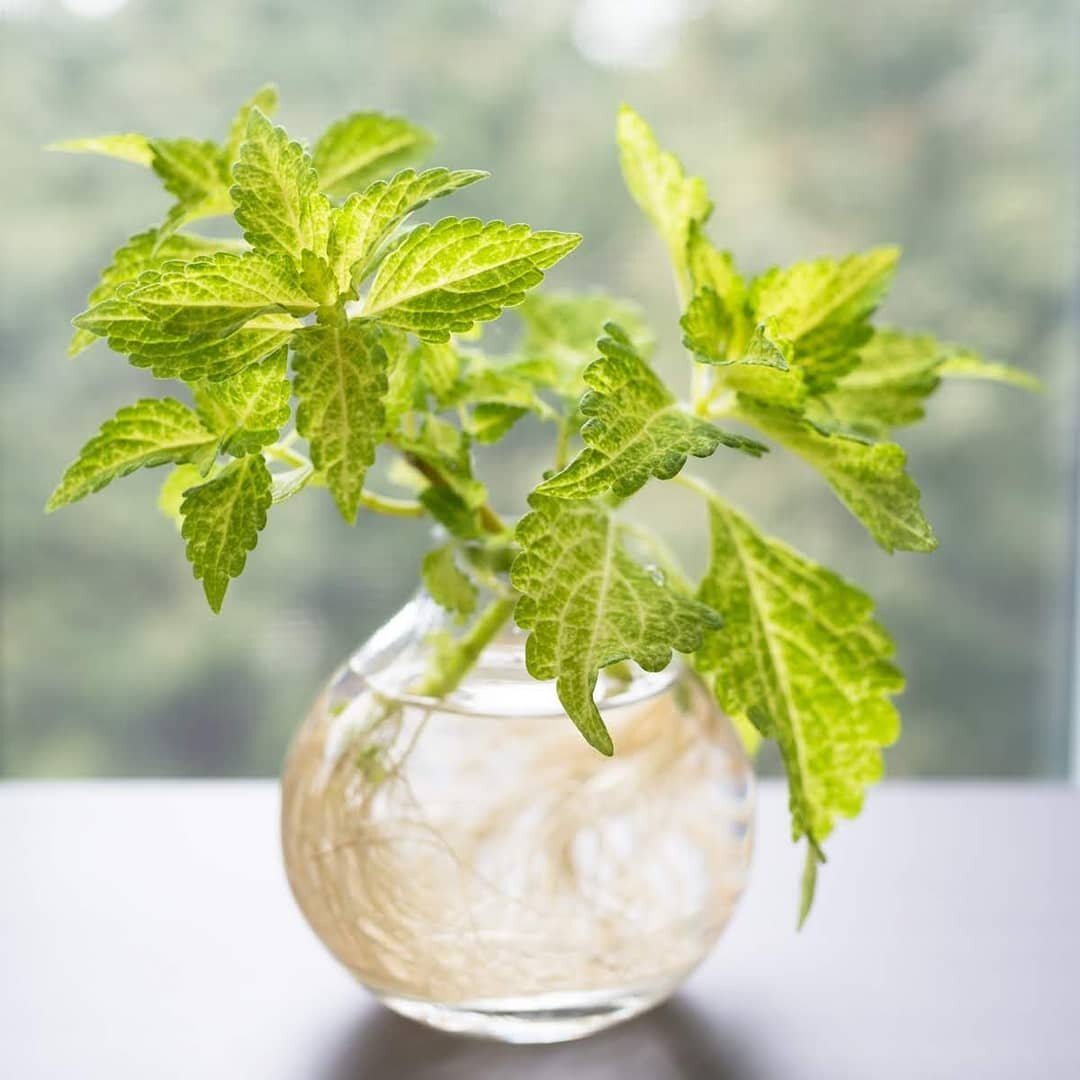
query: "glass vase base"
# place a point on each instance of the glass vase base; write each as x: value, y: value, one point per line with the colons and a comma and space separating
x: 544, y: 1018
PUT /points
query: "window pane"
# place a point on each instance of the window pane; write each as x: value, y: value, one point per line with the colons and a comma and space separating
x: 939, y: 125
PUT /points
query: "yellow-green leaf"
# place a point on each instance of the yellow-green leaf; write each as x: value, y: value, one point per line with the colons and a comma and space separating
x: 444, y: 278
x: 151, y: 432
x: 587, y: 604
x: 635, y: 428
x: 222, y: 522
x: 341, y: 387
x: 364, y: 147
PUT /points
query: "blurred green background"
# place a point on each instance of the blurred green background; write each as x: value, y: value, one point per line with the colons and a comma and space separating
x: 942, y: 125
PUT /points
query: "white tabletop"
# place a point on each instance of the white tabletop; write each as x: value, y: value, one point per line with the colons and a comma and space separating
x: 146, y: 931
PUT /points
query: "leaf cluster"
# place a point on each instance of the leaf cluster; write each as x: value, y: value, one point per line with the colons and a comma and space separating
x: 327, y: 310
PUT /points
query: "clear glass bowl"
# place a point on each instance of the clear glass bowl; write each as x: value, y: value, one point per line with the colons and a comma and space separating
x: 480, y: 868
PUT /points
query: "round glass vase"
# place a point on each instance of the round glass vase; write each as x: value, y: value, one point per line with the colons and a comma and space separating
x: 479, y: 867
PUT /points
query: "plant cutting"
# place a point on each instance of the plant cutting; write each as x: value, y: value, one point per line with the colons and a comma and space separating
x: 511, y: 812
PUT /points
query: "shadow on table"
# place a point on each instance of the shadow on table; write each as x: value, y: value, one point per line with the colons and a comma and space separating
x: 673, y: 1042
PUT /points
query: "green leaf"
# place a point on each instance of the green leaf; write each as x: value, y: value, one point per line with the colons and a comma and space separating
x: 896, y: 373
x: 823, y: 309
x: 587, y: 604
x: 716, y: 322
x: 561, y: 331
x: 276, y: 194
x: 194, y: 172
x: 128, y: 147
x: 222, y: 522
x: 499, y: 396
x: 247, y: 410
x: 489, y: 422
x: 438, y: 368
x: 215, y: 295
x: 364, y: 147
x: 763, y: 371
x: 655, y: 178
x: 448, y: 450
x: 146, y: 251
x: 172, y: 353
x: 265, y: 99
x: 869, y: 478
x: 402, y: 376
x: 448, y: 584
x: 317, y: 279
x: 172, y: 491
x: 151, y: 432
x: 452, y: 512
x: 284, y: 485
x: 445, y: 277
x: 341, y: 385
x: 802, y: 659
x: 966, y: 364
x: 485, y: 384
x: 635, y: 428
x: 363, y: 225
x: 808, y: 885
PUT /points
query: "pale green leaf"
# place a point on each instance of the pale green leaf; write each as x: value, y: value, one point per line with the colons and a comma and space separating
x: 247, y: 411
x: 800, y: 657
x: 823, y: 309
x: 655, y: 178
x: 363, y: 225
x: 276, y: 193
x: 489, y: 422
x: 146, y: 251
x: 174, y: 488
x: 896, y: 373
x: 364, y: 147
x: 222, y: 522
x: 196, y: 174
x: 265, y: 99
x: 317, y: 279
x: 448, y: 585
x: 561, y: 331
x: 869, y: 478
x: 128, y: 147
x: 214, y: 295
x: 151, y: 432
x: 965, y: 364
x: 485, y: 384
x: 341, y: 385
x: 172, y: 353
x: 402, y: 376
x: 808, y: 885
x: 764, y: 370
x: 499, y: 397
x: 635, y: 428
x: 438, y: 368
x: 716, y: 322
x: 588, y: 604
x: 445, y: 277
x: 284, y: 485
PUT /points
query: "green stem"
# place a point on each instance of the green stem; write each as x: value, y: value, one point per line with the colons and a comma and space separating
x: 692, y: 483
x: 490, y: 522
x: 701, y: 375
x: 381, y: 504
x: 454, y: 662
x: 385, y: 504
x: 280, y: 452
